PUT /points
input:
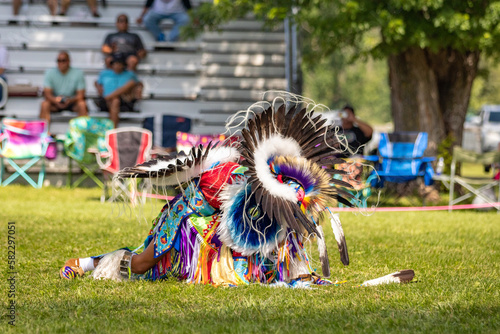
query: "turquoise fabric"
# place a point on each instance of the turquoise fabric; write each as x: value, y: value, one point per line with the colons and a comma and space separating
x: 111, y: 81
x: 84, y: 133
x: 193, y: 202
x: 64, y: 84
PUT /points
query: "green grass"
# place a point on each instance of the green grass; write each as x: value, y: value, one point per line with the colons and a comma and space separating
x: 455, y: 257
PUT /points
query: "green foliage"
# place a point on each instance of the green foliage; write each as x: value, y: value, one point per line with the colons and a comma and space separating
x: 399, y: 24
x: 444, y: 151
x: 486, y: 87
x: 363, y: 84
x: 454, y: 255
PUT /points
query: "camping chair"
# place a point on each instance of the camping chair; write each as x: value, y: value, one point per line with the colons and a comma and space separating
x: 474, y: 185
x: 85, y: 133
x: 401, y: 159
x: 24, y: 140
x: 125, y: 147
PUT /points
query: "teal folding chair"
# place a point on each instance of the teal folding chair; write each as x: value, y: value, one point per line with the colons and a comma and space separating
x: 85, y: 135
x: 26, y: 141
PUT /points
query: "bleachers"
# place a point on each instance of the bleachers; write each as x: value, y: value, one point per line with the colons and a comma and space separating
x: 207, y: 79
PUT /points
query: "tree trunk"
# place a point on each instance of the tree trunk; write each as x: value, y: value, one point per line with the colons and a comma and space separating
x: 430, y: 92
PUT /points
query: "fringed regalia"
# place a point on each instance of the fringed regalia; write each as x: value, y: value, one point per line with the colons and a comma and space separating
x: 245, y: 209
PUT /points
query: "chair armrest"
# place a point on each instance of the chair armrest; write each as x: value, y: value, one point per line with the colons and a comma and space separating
x: 428, y: 159
x: 99, y: 156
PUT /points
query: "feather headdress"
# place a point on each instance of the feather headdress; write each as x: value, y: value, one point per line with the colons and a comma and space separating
x: 179, y: 169
x: 287, y: 186
x: 291, y: 145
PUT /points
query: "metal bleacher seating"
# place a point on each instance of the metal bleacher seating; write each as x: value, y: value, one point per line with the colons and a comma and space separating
x: 207, y: 79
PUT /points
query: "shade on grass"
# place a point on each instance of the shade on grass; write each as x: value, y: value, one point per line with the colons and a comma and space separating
x: 455, y: 256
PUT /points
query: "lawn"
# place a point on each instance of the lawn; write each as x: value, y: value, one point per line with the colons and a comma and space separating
x: 455, y: 257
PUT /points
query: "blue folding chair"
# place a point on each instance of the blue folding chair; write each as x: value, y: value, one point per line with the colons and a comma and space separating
x: 27, y: 141
x: 401, y: 159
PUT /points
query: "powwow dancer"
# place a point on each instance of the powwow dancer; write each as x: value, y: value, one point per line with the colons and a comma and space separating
x: 243, y: 212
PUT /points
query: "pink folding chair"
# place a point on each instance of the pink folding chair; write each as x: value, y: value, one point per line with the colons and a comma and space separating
x: 23, y: 140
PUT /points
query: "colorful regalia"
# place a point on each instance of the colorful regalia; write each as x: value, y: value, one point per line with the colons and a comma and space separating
x: 246, y: 208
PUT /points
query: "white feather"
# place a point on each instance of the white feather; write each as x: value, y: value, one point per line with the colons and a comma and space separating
x: 274, y: 146
x: 391, y: 278
x: 109, y: 266
x: 227, y: 198
x: 220, y: 154
x: 339, y: 236
x: 337, y: 228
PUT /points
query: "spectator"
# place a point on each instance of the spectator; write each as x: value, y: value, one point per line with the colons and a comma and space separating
x: 118, y: 89
x: 156, y: 10
x: 63, y: 89
x: 124, y: 42
x: 16, y: 6
x: 356, y: 132
x: 4, y: 63
x: 92, y: 6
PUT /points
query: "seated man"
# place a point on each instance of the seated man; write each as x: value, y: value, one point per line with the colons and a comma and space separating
x: 63, y: 89
x: 124, y: 42
x: 118, y: 89
x: 356, y: 132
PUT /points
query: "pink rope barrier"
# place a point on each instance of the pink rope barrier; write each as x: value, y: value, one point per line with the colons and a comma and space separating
x: 422, y: 208
x: 168, y: 198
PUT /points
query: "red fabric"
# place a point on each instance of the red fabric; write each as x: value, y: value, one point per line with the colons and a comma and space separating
x: 142, y: 149
x: 213, y: 180
x: 115, y: 162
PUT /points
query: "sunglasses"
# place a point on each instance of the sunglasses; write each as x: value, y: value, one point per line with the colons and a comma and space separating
x: 62, y: 60
x: 122, y: 21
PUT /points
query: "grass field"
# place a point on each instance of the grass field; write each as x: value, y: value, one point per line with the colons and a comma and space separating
x: 456, y: 258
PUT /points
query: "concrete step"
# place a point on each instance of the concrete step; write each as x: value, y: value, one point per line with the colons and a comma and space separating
x: 243, y: 47
x: 36, y: 60
x: 178, y: 86
x: 216, y: 70
x: 243, y: 59
x: 242, y: 83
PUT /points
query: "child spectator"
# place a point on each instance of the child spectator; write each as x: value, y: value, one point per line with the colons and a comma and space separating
x: 118, y: 89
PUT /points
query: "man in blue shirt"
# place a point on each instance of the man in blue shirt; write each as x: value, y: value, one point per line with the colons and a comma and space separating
x: 63, y: 89
x: 118, y: 89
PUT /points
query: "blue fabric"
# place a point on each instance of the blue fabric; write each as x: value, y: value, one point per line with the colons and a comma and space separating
x: 193, y: 202
x: 165, y: 131
x: 247, y: 235
x: 152, y: 21
x: 64, y: 84
x: 111, y: 81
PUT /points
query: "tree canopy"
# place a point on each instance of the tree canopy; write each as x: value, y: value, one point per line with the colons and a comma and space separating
x: 432, y: 47
x: 464, y: 25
